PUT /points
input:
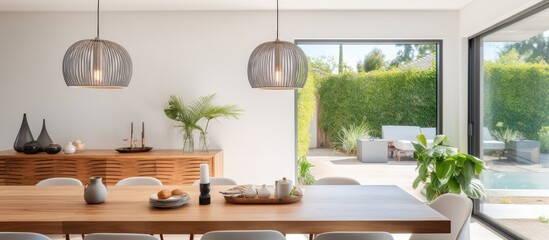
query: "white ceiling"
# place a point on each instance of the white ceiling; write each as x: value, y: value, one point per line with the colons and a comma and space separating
x: 522, y: 30
x: 176, y: 5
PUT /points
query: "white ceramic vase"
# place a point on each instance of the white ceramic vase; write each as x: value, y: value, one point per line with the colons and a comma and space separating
x: 95, y: 192
x: 69, y: 148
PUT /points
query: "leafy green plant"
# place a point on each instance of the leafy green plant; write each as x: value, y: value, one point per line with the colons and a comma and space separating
x: 543, y: 136
x: 442, y: 169
x: 188, y: 115
x: 543, y: 219
x: 304, y: 167
x: 346, y: 139
x: 504, y: 134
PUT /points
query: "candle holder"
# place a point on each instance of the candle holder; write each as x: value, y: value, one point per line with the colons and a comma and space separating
x: 204, y: 198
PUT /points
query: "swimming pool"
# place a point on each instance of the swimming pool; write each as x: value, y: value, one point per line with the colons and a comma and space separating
x: 515, y: 180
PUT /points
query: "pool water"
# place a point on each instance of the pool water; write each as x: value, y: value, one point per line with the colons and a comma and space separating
x: 515, y: 180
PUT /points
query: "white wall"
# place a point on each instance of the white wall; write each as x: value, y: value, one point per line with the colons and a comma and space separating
x: 475, y: 17
x: 189, y: 54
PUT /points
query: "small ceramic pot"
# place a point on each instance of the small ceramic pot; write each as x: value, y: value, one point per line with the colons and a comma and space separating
x: 80, y: 146
x: 69, y: 148
x: 53, y: 148
x: 32, y: 147
x: 263, y: 192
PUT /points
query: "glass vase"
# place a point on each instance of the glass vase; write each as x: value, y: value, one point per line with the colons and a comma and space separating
x: 188, y: 141
x: 204, y: 142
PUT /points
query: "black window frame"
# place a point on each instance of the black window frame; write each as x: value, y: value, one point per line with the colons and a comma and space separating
x: 475, y: 122
x: 439, y: 64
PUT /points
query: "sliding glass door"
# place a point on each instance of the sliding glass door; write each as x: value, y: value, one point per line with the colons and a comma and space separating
x: 509, y: 127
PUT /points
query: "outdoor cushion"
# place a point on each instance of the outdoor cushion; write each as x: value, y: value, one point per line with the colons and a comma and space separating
x: 429, y: 133
x: 489, y: 143
x: 393, y: 133
x: 406, y: 145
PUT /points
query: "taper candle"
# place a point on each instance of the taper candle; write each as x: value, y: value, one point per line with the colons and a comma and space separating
x: 204, y: 173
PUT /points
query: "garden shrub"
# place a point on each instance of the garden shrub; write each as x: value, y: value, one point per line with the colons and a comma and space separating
x: 393, y: 97
x: 346, y: 138
x: 518, y: 95
x: 543, y: 136
x: 306, y: 106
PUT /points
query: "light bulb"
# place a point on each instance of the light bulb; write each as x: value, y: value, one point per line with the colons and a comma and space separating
x: 277, y: 75
x: 97, y: 75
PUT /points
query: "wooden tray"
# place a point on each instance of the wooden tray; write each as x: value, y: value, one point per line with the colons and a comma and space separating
x: 243, y: 200
x: 133, y: 150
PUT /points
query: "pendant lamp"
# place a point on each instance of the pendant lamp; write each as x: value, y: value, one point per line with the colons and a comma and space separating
x: 97, y: 63
x: 277, y: 65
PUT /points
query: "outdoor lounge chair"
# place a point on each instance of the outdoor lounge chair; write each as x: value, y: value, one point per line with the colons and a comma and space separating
x: 429, y: 133
x: 401, y: 138
x: 489, y: 143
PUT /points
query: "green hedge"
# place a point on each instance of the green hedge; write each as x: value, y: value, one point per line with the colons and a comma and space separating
x: 517, y: 95
x: 394, y: 97
x: 306, y: 106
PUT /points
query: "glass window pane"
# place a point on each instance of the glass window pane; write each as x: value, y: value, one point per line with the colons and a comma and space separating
x: 515, y: 134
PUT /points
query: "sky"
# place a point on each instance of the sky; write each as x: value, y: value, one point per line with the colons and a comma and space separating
x: 353, y: 53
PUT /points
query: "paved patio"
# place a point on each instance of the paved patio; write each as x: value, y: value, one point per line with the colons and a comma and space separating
x: 402, y: 173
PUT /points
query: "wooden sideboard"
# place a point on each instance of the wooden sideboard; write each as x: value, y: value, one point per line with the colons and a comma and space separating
x: 172, y: 167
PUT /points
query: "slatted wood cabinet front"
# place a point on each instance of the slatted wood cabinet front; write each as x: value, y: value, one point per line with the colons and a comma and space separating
x: 169, y: 166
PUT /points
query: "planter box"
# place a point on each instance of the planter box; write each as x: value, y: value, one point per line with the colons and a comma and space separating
x: 523, y: 151
x: 372, y: 151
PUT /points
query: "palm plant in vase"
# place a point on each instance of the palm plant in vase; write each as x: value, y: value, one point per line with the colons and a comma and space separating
x: 189, y: 115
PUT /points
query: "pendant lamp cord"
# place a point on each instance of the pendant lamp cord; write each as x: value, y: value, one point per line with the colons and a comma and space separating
x: 98, y: 18
x: 276, y: 19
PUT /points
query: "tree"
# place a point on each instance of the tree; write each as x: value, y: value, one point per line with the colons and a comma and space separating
x: 411, y: 52
x: 510, y: 57
x: 404, y: 56
x: 341, y: 63
x: 375, y: 60
x: 533, y: 50
x: 359, y: 66
x: 322, y: 65
x: 425, y: 49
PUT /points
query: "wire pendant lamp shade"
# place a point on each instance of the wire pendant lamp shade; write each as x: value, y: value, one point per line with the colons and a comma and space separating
x: 97, y: 63
x: 277, y: 65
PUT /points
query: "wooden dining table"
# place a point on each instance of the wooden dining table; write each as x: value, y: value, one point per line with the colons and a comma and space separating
x: 62, y: 210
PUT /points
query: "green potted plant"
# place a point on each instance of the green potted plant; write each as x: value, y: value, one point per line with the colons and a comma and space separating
x: 189, y: 115
x: 443, y: 169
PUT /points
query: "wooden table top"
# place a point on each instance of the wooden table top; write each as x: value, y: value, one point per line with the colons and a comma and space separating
x: 323, y: 208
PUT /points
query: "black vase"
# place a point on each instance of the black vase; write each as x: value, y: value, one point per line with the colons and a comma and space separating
x: 31, y: 147
x: 53, y: 148
x: 44, y: 138
x: 24, y: 135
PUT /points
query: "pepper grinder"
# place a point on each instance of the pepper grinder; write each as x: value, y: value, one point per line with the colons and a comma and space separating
x: 204, y: 198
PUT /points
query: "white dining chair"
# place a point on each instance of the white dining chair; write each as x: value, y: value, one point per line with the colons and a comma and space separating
x: 336, y: 181
x: 139, y: 181
x: 59, y: 182
x: 218, y: 181
x: 244, y: 235
x: 458, y: 209
x: 215, y: 181
x: 22, y: 236
x: 118, y: 236
x: 354, y: 236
